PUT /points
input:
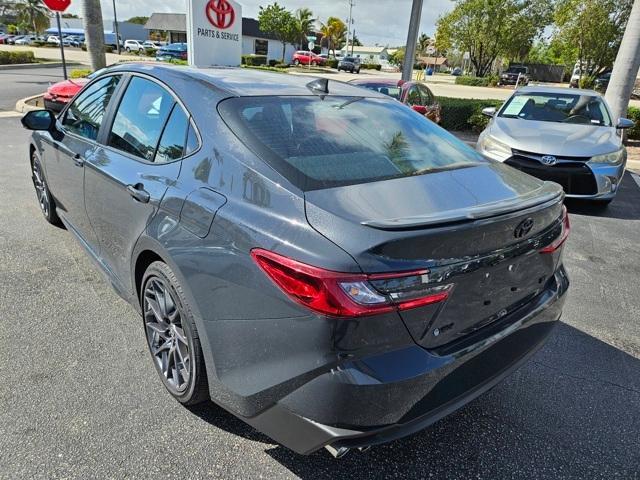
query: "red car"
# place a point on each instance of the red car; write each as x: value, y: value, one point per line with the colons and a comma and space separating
x: 59, y: 94
x: 306, y: 58
x: 413, y: 94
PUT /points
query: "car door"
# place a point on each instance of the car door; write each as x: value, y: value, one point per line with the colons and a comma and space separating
x: 79, y: 127
x: 132, y: 168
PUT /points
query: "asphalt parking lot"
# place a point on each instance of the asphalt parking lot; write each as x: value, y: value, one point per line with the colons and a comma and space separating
x: 80, y: 397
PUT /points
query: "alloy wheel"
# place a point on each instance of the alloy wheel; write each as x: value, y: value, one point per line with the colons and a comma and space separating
x: 41, y: 188
x: 167, y: 340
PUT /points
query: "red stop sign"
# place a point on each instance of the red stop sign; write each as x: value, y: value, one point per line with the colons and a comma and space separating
x: 57, y: 5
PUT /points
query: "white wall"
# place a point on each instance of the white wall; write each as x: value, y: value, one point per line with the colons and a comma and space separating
x: 274, y: 50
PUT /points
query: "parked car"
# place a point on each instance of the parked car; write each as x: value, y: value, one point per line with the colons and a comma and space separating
x: 26, y: 40
x: 456, y: 72
x: 150, y: 44
x: 173, y: 51
x: 74, y: 40
x: 13, y: 39
x: 368, y: 274
x: 307, y: 58
x: 511, y: 75
x: 601, y: 83
x: 134, y: 46
x: 562, y: 135
x: 413, y: 94
x: 349, y: 64
x: 4, y: 38
x: 60, y: 93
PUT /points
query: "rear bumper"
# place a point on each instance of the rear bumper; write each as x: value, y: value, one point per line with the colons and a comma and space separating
x: 387, y: 396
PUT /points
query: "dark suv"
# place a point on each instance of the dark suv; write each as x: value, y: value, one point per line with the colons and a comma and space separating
x: 510, y: 76
x: 349, y: 64
x: 323, y: 262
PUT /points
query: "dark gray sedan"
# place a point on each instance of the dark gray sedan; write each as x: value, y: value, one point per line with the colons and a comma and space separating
x: 326, y: 264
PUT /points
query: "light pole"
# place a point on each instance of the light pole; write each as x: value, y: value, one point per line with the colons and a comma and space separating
x: 412, y: 38
x: 351, y: 4
x: 115, y: 20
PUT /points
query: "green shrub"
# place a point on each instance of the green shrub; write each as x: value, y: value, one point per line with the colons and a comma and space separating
x: 634, y: 114
x: 370, y: 66
x: 16, y: 57
x: 587, y: 81
x: 473, y: 81
x: 149, y: 52
x: 332, y: 63
x: 108, y: 49
x: 254, y: 60
x: 38, y: 43
x: 282, y: 65
x: 273, y: 62
x: 462, y: 114
x: 79, y: 73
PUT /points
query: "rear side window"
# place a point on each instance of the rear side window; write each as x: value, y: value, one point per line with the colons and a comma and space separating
x: 84, y: 116
x: 322, y: 143
x: 172, y: 143
x: 140, y: 118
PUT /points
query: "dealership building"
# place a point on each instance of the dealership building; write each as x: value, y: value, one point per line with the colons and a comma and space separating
x: 254, y: 41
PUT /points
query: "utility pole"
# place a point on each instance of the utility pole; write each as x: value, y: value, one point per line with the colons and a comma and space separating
x: 412, y: 39
x: 94, y: 33
x: 64, y: 62
x: 351, y: 4
x: 115, y: 21
x: 625, y: 68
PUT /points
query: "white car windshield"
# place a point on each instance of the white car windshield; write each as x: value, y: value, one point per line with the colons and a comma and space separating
x: 557, y: 107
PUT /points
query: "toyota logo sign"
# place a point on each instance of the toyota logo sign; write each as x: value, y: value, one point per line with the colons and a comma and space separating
x: 220, y: 13
x: 523, y: 228
x: 549, y: 160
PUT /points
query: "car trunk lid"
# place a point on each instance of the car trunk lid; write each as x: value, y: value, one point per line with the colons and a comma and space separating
x: 465, y: 226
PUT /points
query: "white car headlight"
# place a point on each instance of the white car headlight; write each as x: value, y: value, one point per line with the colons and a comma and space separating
x: 613, y: 158
x: 495, y: 147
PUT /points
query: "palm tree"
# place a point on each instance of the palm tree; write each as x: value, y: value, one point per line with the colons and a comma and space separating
x: 304, y: 24
x: 626, y: 66
x: 335, y: 31
x: 33, y: 13
x: 94, y: 33
x: 423, y: 44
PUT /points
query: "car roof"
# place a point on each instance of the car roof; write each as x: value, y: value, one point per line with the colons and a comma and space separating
x: 557, y: 90
x: 243, y: 82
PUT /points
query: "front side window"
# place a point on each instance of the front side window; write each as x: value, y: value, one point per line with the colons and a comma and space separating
x: 414, y: 97
x: 140, y: 118
x: 323, y: 143
x: 383, y: 88
x: 557, y: 107
x: 427, y: 96
x: 85, y: 114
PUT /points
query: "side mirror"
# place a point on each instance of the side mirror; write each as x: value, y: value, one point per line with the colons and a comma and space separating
x: 624, y: 123
x: 489, y: 112
x: 421, y: 109
x: 39, y: 120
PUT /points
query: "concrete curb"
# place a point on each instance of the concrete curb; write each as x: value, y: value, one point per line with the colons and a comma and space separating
x: 27, y: 66
x: 28, y: 104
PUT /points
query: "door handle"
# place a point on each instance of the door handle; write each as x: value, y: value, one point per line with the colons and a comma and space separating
x: 78, y: 160
x: 138, y: 193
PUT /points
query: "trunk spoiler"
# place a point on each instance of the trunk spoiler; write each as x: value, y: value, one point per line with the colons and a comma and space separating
x: 548, y: 193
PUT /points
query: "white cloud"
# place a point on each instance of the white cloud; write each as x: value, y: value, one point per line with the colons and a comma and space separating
x: 376, y: 21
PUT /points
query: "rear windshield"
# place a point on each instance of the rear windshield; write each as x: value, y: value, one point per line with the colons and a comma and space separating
x: 517, y: 70
x: 557, y: 107
x: 338, y: 141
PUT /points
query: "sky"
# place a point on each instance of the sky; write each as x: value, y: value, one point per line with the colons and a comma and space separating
x: 384, y: 22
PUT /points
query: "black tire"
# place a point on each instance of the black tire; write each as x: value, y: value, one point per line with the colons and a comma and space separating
x: 358, y: 71
x: 43, y: 194
x: 602, y: 204
x: 128, y: 50
x: 314, y: 64
x: 296, y: 62
x: 193, y: 390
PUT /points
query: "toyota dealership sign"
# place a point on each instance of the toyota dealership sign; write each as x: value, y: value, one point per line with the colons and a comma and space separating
x: 214, y: 32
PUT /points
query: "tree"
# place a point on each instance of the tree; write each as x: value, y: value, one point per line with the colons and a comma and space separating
x: 69, y: 15
x: 335, y: 32
x: 590, y: 31
x: 140, y: 20
x: 94, y: 33
x: 304, y: 25
x: 423, y: 44
x: 356, y: 41
x: 626, y: 66
x: 32, y: 15
x: 280, y: 22
x: 488, y: 29
x: 397, y: 57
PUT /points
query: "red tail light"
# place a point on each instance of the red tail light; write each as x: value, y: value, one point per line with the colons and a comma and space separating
x: 564, y: 234
x: 346, y: 294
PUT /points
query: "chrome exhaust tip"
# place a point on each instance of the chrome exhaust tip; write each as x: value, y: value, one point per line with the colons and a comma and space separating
x: 337, y: 452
